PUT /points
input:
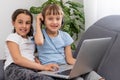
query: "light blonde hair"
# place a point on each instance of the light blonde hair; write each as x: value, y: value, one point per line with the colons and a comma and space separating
x: 52, y: 9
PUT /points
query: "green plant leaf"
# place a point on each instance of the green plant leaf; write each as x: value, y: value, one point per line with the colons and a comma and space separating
x: 35, y: 10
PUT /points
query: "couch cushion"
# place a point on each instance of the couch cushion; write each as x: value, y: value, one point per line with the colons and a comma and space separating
x: 107, y: 27
x: 110, y: 67
x: 102, y: 28
x: 1, y: 70
x: 95, y: 32
x: 111, y: 22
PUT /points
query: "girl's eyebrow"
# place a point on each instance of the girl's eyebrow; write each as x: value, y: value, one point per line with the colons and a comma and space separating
x: 22, y: 20
x: 19, y: 20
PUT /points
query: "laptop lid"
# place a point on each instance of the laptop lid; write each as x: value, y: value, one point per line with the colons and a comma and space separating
x: 89, y: 56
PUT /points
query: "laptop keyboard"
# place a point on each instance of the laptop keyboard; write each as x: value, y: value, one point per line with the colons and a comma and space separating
x: 66, y: 72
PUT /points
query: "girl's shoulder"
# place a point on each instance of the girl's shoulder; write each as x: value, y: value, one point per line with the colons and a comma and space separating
x: 14, y: 37
x: 66, y: 37
x: 63, y: 33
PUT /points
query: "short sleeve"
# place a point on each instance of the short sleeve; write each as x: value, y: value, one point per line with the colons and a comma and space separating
x: 13, y: 38
x: 67, y: 38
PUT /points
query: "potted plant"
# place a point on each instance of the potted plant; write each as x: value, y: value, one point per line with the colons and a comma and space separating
x: 73, y: 16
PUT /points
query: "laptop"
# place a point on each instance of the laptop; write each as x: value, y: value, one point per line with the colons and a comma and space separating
x: 89, y: 56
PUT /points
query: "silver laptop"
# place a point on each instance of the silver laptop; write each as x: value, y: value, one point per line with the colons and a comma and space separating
x: 89, y: 56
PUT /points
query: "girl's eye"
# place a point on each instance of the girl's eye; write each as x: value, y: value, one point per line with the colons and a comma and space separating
x: 58, y: 19
x: 50, y: 18
x: 28, y: 22
x: 20, y: 22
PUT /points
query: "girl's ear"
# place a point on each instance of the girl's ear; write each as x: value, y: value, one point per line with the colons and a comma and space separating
x: 13, y: 23
x: 62, y: 21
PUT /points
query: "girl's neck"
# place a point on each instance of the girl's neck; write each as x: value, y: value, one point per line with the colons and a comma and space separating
x: 25, y: 37
x: 52, y: 34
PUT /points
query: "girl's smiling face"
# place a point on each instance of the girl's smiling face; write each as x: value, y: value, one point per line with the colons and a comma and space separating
x: 53, y: 22
x: 53, y: 16
x: 22, y: 24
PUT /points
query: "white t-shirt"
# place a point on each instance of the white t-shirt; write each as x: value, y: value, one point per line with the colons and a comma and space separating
x: 26, y: 47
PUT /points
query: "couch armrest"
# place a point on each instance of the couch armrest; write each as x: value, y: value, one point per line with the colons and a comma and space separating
x: 2, y: 69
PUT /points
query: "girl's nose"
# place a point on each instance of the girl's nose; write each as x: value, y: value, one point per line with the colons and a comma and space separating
x: 24, y: 25
x: 54, y: 21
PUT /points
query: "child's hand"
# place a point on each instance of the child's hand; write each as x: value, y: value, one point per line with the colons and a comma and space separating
x: 72, y: 61
x: 51, y: 67
x: 39, y: 18
x: 102, y: 78
x: 37, y: 60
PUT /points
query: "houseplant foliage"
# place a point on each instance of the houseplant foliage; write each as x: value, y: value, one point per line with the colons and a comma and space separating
x: 73, y: 16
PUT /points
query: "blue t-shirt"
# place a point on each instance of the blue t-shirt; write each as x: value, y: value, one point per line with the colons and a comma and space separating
x: 52, y: 51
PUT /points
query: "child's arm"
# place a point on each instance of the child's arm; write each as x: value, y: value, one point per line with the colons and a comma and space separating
x: 22, y: 61
x: 39, y: 40
x: 69, y: 56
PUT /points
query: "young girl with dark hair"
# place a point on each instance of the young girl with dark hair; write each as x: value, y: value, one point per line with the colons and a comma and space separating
x: 19, y: 49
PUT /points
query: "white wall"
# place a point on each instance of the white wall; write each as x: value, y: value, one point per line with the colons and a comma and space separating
x: 78, y: 0
x: 90, y: 10
x: 96, y: 9
x: 6, y: 9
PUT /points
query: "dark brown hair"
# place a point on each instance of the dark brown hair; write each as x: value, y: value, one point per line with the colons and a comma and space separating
x: 25, y: 11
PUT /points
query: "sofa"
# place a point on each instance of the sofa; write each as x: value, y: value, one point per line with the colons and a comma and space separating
x: 109, y: 66
x: 109, y: 26
x: 1, y: 70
